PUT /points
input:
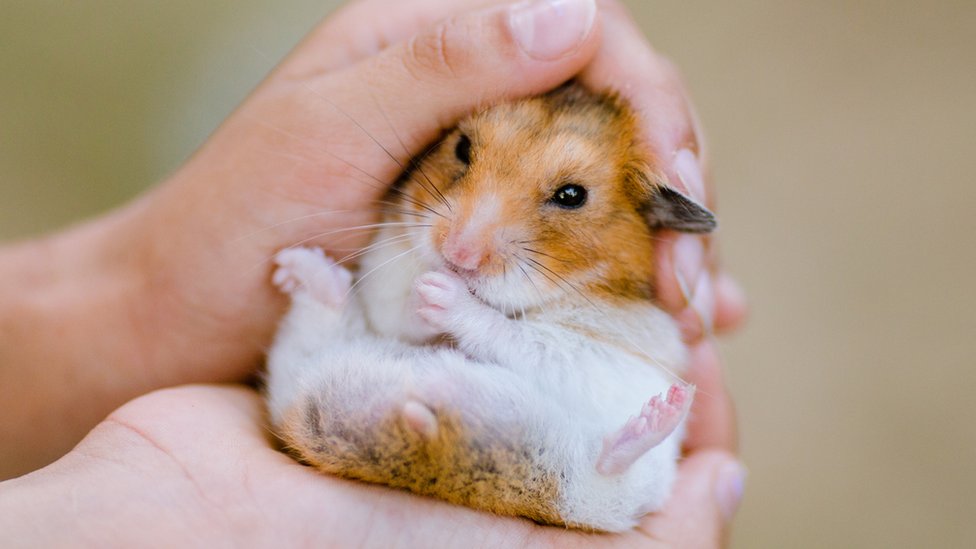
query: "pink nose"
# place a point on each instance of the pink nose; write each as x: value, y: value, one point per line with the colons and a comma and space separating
x: 465, y: 255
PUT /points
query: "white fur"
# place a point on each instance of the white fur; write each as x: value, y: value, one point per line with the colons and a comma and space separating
x: 564, y: 389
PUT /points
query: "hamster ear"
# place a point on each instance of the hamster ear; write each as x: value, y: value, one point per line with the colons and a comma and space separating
x: 670, y: 209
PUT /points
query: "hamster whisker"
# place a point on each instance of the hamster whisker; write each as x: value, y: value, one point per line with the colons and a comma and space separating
x: 368, y: 227
x: 380, y: 185
x: 352, y: 119
x: 390, y: 206
x: 554, y: 258
x: 527, y: 277
x: 384, y: 185
x: 292, y: 220
x: 542, y: 269
x: 414, y: 164
x: 299, y: 138
x: 397, y: 209
x: 639, y: 349
x: 385, y: 243
x: 381, y: 265
x: 537, y: 291
x: 407, y: 213
x: 416, y: 202
x: 349, y: 117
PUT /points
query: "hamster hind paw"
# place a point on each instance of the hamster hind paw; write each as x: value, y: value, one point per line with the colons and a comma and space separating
x: 310, y: 270
x: 420, y: 419
x: 657, y: 419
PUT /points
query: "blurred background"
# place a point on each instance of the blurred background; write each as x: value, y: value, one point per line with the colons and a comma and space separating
x: 843, y: 139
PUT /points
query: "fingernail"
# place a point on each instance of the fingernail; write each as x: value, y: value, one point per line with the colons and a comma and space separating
x: 703, y: 302
x: 688, y: 260
x: 729, y: 486
x: 550, y: 29
x: 689, y: 171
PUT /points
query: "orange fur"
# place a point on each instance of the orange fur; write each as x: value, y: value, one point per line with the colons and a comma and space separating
x: 521, y: 153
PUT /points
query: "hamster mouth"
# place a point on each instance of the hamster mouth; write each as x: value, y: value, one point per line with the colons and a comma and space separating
x: 466, y: 274
x: 473, y: 279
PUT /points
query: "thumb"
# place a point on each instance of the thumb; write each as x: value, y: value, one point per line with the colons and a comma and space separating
x: 425, y: 84
x: 705, y: 499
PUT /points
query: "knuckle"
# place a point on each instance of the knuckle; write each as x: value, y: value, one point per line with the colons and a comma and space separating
x: 669, y: 69
x: 438, y: 52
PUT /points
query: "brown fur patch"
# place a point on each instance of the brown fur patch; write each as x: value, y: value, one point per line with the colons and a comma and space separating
x: 474, y: 469
x: 521, y: 153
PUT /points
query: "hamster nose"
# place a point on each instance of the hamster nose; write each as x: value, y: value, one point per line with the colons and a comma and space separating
x: 464, y: 255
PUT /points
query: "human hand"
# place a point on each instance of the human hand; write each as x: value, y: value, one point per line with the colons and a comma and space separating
x: 175, y: 287
x: 306, y: 157
x: 188, y: 299
x: 193, y: 466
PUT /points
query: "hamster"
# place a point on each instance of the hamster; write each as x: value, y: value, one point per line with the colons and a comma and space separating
x: 499, y: 347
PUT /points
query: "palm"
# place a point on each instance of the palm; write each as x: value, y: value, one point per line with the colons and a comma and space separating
x: 215, y: 467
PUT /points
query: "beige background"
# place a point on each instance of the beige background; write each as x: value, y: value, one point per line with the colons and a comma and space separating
x: 844, y: 143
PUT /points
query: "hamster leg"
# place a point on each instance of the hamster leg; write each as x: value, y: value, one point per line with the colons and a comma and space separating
x: 318, y: 322
x: 658, y: 419
x: 310, y: 270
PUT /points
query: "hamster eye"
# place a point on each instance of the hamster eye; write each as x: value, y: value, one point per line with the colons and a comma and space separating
x: 569, y: 196
x: 463, y: 149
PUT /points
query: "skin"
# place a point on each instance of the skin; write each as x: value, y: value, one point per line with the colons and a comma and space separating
x: 173, y: 289
x: 193, y: 466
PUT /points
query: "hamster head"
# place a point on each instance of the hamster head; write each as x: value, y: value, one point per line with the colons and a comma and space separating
x: 545, y: 199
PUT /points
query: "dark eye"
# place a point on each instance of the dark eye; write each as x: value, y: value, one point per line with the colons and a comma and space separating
x: 570, y: 196
x: 463, y: 149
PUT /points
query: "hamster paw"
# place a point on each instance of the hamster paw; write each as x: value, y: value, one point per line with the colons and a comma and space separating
x: 309, y: 269
x: 658, y: 419
x: 420, y: 419
x: 442, y: 295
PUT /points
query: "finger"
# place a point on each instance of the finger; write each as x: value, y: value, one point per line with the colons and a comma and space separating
x: 705, y: 498
x: 379, y: 113
x: 712, y: 421
x: 680, y: 263
x: 356, y: 31
x: 702, y: 300
x: 685, y: 287
x: 456, y: 64
x: 731, y: 308
x: 627, y: 63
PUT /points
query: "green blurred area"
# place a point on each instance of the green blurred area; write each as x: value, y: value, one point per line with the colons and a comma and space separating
x: 842, y: 138
x: 100, y: 99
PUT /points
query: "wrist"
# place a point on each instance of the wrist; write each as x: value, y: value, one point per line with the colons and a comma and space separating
x: 66, y: 338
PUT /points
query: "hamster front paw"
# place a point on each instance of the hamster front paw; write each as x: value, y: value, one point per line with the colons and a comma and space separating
x: 443, y: 295
x: 310, y: 270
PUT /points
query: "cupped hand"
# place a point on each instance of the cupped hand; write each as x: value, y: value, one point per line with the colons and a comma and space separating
x: 193, y: 466
x: 306, y: 157
x: 304, y: 160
